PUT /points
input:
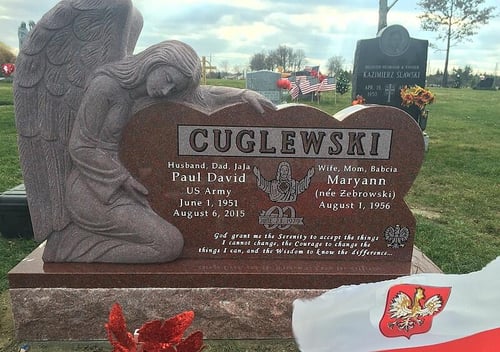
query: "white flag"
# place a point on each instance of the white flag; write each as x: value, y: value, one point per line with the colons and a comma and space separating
x: 425, y: 312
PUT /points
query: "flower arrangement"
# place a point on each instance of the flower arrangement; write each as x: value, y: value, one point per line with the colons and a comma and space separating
x: 417, y: 96
x: 359, y: 100
x: 153, y: 336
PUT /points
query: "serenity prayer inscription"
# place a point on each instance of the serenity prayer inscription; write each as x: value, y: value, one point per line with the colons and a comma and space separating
x: 294, y: 183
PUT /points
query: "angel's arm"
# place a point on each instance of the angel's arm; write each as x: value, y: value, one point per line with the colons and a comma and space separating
x: 94, y: 142
x: 216, y: 97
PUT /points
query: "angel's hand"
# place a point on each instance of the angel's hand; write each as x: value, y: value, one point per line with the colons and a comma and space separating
x: 136, y: 190
x: 257, y: 101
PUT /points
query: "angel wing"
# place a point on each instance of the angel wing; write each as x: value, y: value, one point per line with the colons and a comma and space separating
x: 401, y: 306
x: 52, y: 68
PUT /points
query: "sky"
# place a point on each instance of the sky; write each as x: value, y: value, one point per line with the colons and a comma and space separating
x: 230, y: 32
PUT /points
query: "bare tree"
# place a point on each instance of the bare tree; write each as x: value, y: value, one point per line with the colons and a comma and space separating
x: 335, y: 64
x: 299, y: 59
x: 383, y: 9
x: 258, y: 62
x: 237, y: 69
x: 6, y: 55
x: 454, y: 21
x: 285, y: 57
x: 224, y: 68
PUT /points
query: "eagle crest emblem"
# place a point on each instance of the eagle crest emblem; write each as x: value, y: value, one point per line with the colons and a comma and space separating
x: 410, y: 309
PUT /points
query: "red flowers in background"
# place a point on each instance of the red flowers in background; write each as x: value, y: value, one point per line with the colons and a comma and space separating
x: 283, y: 83
x: 318, y: 75
x: 8, y: 69
x: 359, y: 100
x: 153, y: 336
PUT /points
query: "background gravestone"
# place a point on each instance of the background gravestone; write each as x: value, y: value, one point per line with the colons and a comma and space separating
x: 265, y: 82
x: 385, y: 64
x: 486, y: 83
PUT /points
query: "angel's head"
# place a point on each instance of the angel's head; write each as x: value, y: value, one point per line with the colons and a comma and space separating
x: 167, y: 68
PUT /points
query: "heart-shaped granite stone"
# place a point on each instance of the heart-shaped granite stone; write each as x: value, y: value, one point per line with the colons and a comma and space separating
x: 295, y: 183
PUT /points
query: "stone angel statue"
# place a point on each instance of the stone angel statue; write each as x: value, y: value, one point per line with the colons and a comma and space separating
x: 77, y: 85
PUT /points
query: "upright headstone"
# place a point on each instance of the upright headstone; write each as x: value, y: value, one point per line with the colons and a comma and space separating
x: 385, y: 64
x: 486, y: 83
x: 265, y: 82
x: 295, y: 191
x: 272, y: 207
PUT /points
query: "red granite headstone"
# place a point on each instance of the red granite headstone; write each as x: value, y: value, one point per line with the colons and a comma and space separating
x: 293, y: 191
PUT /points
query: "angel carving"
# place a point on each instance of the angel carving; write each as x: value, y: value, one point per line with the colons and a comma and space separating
x: 77, y: 86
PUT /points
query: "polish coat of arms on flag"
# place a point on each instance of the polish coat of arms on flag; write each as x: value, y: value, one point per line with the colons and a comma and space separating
x: 429, y: 312
x: 410, y: 309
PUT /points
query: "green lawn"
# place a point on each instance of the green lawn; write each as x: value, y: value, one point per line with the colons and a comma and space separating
x: 456, y: 195
x: 460, y: 181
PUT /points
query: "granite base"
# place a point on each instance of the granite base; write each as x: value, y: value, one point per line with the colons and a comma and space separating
x: 221, y: 313
x: 47, y: 304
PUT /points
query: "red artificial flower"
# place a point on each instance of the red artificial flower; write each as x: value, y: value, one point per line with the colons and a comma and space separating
x: 8, y: 69
x: 118, y: 336
x: 359, y: 100
x: 193, y: 343
x: 161, y: 336
x: 154, y: 336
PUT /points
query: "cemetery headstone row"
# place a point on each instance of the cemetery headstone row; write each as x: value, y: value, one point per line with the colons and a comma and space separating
x: 302, y: 85
x: 265, y: 82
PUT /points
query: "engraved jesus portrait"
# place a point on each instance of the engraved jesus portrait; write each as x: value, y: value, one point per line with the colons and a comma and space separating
x: 283, y: 189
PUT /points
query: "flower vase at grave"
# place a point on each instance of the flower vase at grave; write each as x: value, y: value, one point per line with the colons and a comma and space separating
x: 422, y: 119
x: 415, y: 99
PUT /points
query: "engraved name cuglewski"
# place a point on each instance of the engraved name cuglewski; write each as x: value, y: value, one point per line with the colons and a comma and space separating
x: 293, y: 183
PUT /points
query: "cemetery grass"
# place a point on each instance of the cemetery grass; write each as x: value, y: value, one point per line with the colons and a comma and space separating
x: 455, y: 197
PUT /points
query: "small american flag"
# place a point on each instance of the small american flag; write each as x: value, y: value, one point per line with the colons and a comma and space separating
x: 309, y: 86
x: 294, y: 90
x: 327, y: 84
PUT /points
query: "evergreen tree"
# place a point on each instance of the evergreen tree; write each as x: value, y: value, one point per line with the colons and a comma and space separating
x: 342, y: 83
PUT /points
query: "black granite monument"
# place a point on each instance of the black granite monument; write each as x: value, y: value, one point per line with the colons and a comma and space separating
x: 385, y: 64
